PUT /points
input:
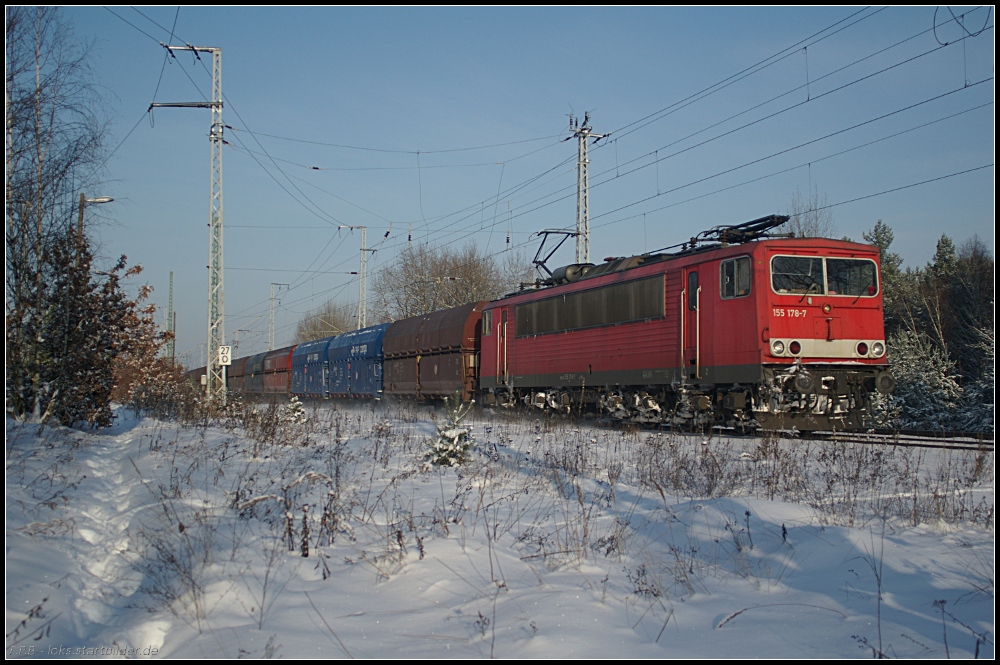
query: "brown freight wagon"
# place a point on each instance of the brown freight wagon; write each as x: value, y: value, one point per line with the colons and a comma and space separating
x: 435, y: 355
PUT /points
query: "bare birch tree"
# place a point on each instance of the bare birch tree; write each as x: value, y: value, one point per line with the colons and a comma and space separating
x: 810, y: 218
x: 424, y: 280
x: 329, y: 320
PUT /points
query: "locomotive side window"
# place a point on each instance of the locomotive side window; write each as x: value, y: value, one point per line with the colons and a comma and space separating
x: 487, y: 323
x: 797, y: 274
x: 637, y: 300
x: 692, y: 291
x: 734, y: 278
x: 851, y: 277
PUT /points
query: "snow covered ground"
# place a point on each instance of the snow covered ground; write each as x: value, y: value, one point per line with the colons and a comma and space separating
x: 332, y: 538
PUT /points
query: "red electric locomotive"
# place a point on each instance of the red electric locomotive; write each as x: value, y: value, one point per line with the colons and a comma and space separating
x: 739, y: 325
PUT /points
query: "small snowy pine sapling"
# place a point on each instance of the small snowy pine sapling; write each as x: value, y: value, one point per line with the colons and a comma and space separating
x: 295, y: 413
x: 454, y: 442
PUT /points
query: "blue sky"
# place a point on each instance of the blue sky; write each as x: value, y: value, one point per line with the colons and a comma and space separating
x: 378, y: 117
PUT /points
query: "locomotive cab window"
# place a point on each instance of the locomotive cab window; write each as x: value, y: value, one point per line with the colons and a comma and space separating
x: 851, y: 277
x: 487, y: 322
x: 824, y: 276
x: 734, y: 278
x: 797, y: 274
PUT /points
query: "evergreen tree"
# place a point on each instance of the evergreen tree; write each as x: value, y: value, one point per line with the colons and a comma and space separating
x: 945, y: 260
x: 980, y: 394
x: 939, y: 322
x: 86, y: 327
x: 971, y: 299
x: 927, y: 394
x: 896, y: 285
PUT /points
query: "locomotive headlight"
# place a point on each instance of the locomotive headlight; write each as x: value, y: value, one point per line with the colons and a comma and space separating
x: 777, y: 347
x: 862, y: 349
x: 878, y: 349
x: 795, y: 348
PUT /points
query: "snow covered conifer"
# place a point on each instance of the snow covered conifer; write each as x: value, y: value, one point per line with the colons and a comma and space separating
x: 980, y: 395
x: 293, y: 413
x: 454, y: 443
x: 927, y: 395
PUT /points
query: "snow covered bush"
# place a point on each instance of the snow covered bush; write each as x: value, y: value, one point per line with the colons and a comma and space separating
x: 454, y: 443
x: 293, y: 413
x: 267, y: 423
x: 981, y: 394
x: 927, y: 395
x: 157, y: 389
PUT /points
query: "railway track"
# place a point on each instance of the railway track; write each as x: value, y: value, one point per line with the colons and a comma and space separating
x: 976, y: 441
x: 904, y: 438
x: 940, y: 441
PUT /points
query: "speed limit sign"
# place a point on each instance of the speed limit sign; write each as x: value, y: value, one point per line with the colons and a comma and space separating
x: 225, y: 355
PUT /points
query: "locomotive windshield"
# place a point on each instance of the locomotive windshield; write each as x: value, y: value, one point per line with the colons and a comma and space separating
x: 823, y: 276
x: 797, y: 274
x: 851, y: 277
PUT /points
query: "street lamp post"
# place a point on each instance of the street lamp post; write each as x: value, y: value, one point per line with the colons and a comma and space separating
x: 84, y: 201
x: 79, y: 224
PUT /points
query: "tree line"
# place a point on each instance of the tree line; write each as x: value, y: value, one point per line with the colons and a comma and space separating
x: 421, y: 280
x: 940, y: 328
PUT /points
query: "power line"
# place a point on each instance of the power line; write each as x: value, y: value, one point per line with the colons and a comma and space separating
x: 796, y: 147
x: 658, y: 159
x: 124, y: 20
x: 406, y: 152
x: 832, y: 205
x: 738, y: 76
x: 766, y: 117
x: 451, y: 224
x: 779, y: 172
x: 297, y: 270
x: 568, y: 187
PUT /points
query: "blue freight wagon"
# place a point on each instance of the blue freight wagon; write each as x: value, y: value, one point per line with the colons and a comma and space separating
x: 355, y: 362
x: 310, y: 371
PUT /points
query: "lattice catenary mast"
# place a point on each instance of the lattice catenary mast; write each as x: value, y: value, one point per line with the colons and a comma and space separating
x: 362, y: 275
x: 171, y: 322
x: 582, y: 133
x: 270, y: 326
x: 215, y: 387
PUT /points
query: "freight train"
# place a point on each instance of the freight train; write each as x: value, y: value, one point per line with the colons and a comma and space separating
x: 738, y: 326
